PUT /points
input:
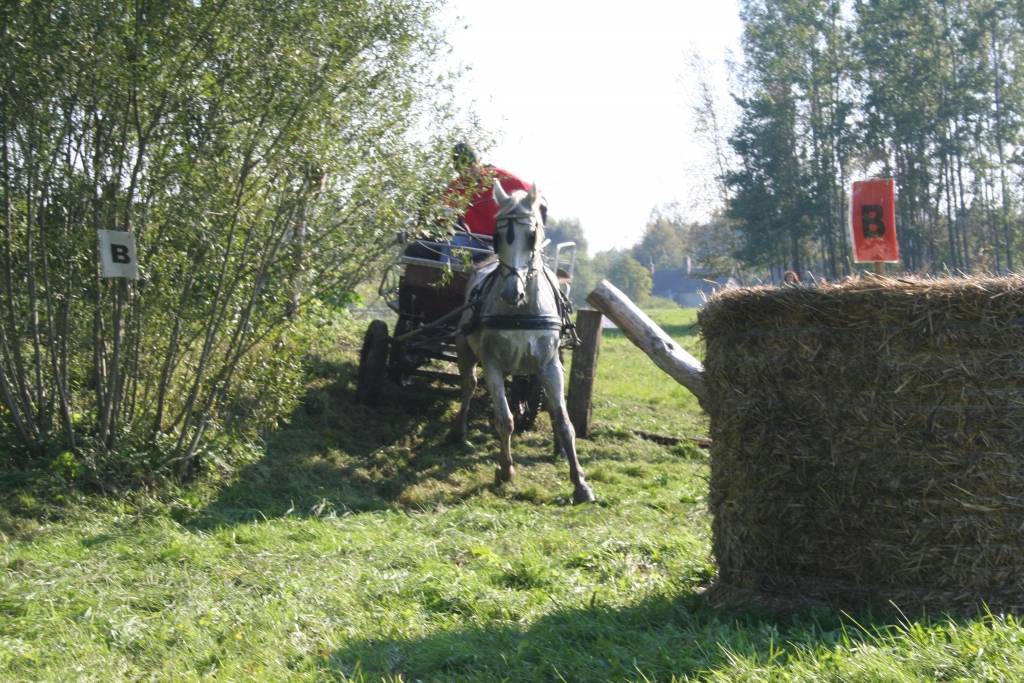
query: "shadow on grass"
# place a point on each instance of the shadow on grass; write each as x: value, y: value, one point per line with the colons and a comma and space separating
x: 656, y: 639
x: 29, y: 496
x: 336, y: 455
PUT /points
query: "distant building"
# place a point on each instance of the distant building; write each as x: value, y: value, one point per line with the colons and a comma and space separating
x: 688, y: 287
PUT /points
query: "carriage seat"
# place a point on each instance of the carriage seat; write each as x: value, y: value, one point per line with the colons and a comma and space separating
x: 439, y: 253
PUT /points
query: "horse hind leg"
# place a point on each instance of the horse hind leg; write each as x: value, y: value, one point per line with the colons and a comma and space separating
x: 459, y: 432
x: 503, y: 422
x: 565, y: 436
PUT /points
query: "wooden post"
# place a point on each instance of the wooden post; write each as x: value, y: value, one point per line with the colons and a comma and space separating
x: 879, y: 267
x: 584, y: 369
x: 652, y: 340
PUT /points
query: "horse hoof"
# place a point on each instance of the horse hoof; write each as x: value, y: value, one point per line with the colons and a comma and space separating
x: 503, y: 477
x: 583, y: 494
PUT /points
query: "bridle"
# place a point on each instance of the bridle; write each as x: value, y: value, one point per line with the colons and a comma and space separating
x: 506, y: 229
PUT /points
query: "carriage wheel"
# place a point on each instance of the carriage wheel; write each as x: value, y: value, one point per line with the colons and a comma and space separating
x: 398, y: 363
x: 525, y: 401
x: 373, y: 360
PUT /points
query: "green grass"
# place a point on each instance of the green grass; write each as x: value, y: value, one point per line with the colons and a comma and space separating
x: 357, y: 545
x: 631, y: 391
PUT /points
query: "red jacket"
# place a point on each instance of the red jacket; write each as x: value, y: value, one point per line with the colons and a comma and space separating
x: 481, y: 209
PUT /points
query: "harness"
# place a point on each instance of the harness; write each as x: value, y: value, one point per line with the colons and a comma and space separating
x: 521, y: 321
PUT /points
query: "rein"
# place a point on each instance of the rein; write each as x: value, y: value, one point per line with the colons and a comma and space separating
x: 531, y: 272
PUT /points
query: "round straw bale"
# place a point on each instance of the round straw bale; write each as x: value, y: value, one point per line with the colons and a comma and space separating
x: 868, y: 441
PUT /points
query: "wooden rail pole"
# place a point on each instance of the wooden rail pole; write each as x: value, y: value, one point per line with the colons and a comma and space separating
x: 584, y: 369
x: 651, y: 339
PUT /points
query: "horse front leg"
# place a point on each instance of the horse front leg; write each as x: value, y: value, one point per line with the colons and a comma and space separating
x: 503, y: 422
x: 467, y: 380
x: 552, y: 377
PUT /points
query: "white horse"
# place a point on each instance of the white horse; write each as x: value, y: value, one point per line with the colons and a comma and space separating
x: 514, y: 328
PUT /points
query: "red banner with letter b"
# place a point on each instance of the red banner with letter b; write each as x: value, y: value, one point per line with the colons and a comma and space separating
x: 873, y: 221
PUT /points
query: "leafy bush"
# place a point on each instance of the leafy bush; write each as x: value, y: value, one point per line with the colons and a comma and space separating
x: 261, y: 152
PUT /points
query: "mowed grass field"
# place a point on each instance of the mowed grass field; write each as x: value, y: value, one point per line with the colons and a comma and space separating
x: 356, y: 545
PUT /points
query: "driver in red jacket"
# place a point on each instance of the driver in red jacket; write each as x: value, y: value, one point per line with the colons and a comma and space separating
x: 472, y: 189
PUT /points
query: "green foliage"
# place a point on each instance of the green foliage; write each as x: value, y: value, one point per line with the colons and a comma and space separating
x: 663, y: 244
x: 631, y: 277
x: 271, y: 378
x: 602, y: 261
x: 570, y: 230
x: 262, y: 153
x: 769, y: 197
x: 567, y: 230
x: 713, y: 245
x: 930, y: 93
x: 65, y: 465
x: 669, y: 240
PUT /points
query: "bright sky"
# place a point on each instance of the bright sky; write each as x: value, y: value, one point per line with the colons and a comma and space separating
x: 592, y: 101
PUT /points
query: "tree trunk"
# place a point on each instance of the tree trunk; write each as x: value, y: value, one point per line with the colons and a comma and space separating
x: 651, y: 339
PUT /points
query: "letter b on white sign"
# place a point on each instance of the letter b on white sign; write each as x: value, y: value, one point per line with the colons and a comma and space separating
x: 117, y: 252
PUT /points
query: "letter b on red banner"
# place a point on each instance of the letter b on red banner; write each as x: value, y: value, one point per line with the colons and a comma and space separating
x: 873, y: 221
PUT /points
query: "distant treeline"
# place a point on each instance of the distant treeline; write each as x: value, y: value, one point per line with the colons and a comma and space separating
x: 929, y: 92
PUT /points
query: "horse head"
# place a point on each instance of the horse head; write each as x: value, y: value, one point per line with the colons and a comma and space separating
x: 518, y: 237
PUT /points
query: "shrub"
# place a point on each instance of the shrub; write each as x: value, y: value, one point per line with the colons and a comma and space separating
x: 260, y: 152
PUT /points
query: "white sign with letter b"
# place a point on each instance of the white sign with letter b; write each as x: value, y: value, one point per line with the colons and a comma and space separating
x: 117, y: 252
